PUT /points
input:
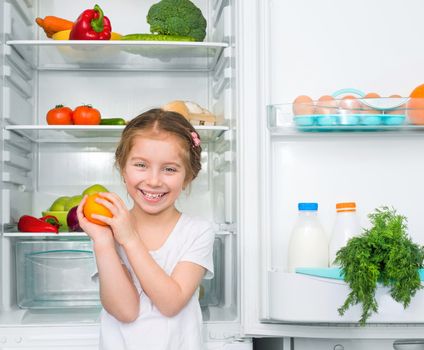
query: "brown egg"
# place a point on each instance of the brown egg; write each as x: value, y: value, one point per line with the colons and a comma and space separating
x: 397, y: 110
x: 303, y: 105
x: 372, y: 95
x: 349, y: 105
x: 326, y: 105
x: 367, y: 109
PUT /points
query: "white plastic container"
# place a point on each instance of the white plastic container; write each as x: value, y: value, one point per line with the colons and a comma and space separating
x: 346, y: 226
x: 308, y: 245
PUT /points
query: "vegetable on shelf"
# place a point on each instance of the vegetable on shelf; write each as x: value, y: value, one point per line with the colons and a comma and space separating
x: 64, y: 35
x: 177, y: 17
x: 383, y: 254
x: 112, y: 121
x: 53, y: 24
x: 157, y: 37
x: 86, y: 115
x: 72, y: 220
x: 91, y: 25
x: 115, y: 36
x: 59, y: 115
x: 28, y: 223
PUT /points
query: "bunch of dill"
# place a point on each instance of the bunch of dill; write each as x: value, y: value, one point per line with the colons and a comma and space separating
x: 383, y: 254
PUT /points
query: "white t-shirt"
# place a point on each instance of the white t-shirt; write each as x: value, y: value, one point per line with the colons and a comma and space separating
x: 191, y: 240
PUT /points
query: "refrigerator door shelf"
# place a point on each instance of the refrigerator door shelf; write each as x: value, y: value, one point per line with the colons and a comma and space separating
x: 302, y: 298
x: 333, y: 273
x: 281, y: 121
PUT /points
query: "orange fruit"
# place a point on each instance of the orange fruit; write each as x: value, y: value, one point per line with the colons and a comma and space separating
x: 418, y: 92
x: 92, y: 207
x: 415, y: 106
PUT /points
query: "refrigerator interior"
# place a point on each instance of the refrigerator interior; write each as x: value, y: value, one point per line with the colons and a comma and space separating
x: 41, y: 163
x: 315, y: 48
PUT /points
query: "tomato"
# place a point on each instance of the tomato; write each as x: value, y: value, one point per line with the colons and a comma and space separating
x: 59, y: 115
x: 86, y: 115
x: 92, y: 207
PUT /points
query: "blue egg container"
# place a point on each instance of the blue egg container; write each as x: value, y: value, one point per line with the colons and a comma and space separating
x: 327, y: 119
x: 305, y: 120
x: 393, y: 119
x: 348, y: 120
x: 371, y: 119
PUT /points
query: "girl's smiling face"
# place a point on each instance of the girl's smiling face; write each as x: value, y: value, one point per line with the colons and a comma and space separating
x: 155, y: 172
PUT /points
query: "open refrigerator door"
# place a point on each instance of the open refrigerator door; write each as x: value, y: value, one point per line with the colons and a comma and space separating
x: 47, y: 296
x: 315, y: 48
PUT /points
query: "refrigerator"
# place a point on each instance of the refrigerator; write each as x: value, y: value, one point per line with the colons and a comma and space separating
x: 256, y: 165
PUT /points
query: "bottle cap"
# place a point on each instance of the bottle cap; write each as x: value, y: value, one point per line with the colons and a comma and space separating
x: 307, y: 206
x: 345, y: 206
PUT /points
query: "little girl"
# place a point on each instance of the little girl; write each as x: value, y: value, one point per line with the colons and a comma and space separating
x: 152, y: 258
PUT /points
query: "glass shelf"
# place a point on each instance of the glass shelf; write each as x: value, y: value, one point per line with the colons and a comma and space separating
x: 92, y: 133
x: 11, y: 230
x: 43, y: 234
x: 120, y: 54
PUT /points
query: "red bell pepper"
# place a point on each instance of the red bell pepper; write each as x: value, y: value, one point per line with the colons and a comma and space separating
x: 29, y: 223
x: 91, y: 25
x: 51, y: 220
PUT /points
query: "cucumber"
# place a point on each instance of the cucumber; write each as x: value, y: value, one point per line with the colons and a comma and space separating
x: 112, y: 121
x: 157, y: 37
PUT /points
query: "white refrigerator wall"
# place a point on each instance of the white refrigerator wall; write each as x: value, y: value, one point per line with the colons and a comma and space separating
x: 318, y: 47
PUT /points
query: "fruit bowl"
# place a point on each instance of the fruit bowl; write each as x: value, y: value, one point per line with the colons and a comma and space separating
x: 61, y: 217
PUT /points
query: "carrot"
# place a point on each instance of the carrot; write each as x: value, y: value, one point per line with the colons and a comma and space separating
x: 40, y: 22
x: 53, y: 24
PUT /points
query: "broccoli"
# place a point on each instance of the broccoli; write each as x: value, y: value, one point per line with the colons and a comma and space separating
x: 177, y: 17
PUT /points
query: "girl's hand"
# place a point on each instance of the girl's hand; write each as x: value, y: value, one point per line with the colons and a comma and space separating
x: 98, y: 233
x: 121, y: 221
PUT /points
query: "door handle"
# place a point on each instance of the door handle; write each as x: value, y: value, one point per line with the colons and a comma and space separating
x: 409, y: 344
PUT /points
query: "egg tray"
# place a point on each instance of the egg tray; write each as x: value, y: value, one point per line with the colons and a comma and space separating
x: 329, y: 120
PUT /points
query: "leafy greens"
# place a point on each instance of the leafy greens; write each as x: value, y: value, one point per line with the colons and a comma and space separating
x: 383, y: 254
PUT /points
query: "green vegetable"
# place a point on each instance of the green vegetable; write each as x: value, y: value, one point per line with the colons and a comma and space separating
x: 112, y: 121
x: 157, y: 37
x: 177, y: 17
x: 383, y: 254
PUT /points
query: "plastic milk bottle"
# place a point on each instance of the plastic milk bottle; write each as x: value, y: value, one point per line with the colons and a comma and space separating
x: 308, y: 245
x: 346, y: 226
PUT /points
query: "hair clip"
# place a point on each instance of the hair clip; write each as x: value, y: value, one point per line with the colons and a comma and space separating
x: 196, y: 140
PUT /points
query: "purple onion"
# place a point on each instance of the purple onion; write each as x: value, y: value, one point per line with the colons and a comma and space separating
x: 72, y: 220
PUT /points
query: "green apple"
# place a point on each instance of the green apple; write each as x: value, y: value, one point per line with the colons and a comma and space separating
x: 59, y: 203
x: 73, y: 201
x: 94, y: 189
